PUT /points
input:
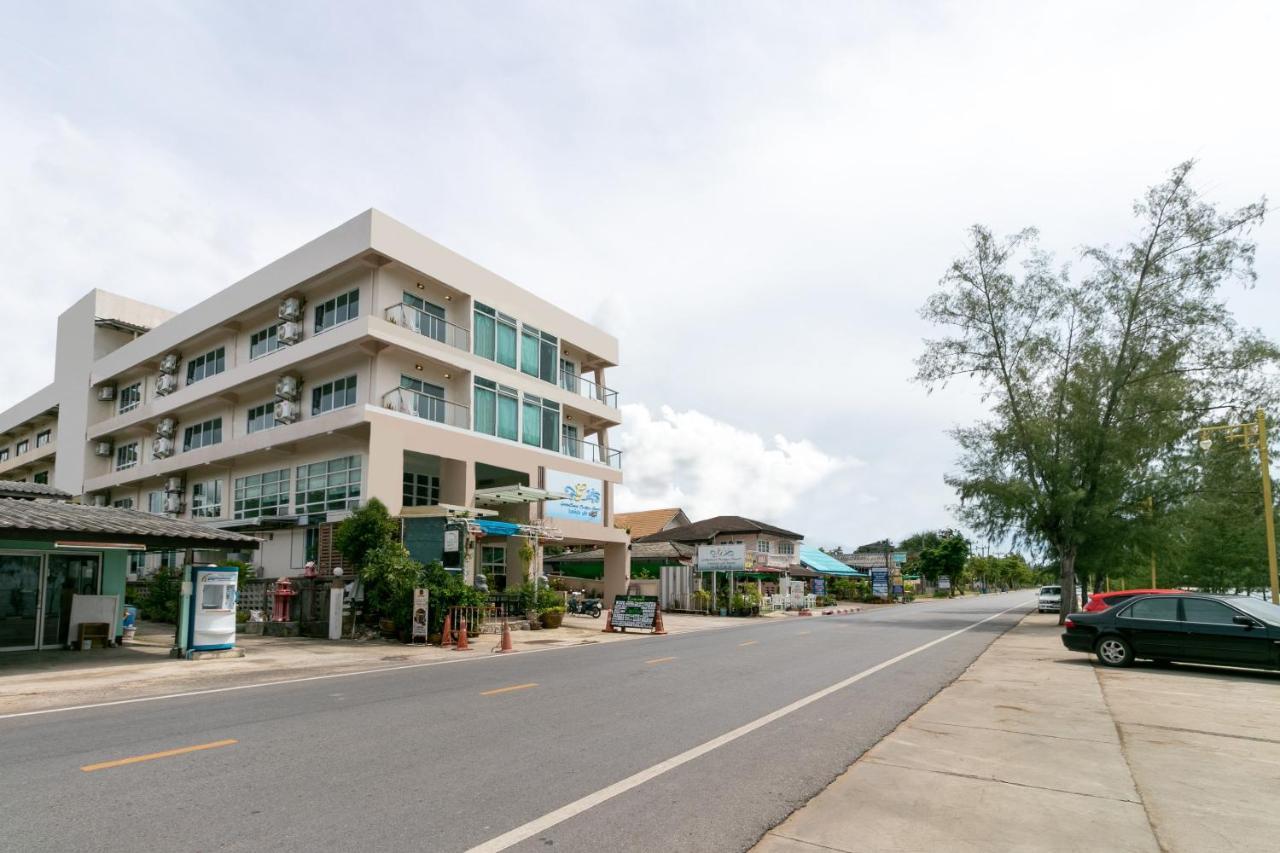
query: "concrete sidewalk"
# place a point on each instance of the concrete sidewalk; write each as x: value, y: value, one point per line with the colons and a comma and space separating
x: 1036, y: 748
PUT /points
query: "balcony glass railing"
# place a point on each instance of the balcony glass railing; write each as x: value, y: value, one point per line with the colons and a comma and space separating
x: 429, y: 326
x: 579, y: 384
x: 589, y: 451
x: 425, y: 406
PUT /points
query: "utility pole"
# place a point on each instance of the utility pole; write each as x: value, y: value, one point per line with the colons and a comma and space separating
x: 1151, y: 511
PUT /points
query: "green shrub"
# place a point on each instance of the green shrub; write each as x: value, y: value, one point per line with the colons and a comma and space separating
x: 365, y: 530
x: 160, y: 601
x: 701, y: 599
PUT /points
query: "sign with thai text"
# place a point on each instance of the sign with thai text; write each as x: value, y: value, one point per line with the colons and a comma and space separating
x: 634, y: 611
x: 581, y: 498
x: 880, y: 584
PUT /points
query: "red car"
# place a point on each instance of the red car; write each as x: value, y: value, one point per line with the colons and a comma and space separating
x: 1100, y: 601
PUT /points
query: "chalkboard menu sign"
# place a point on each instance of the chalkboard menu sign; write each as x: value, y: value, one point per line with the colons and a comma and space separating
x: 634, y: 611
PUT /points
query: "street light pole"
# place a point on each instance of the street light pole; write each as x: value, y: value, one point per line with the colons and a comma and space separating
x: 1267, y: 510
x: 1151, y: 511
x: 1246, y: 434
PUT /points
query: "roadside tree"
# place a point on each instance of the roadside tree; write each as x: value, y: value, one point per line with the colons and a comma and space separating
x: 1092, y: 381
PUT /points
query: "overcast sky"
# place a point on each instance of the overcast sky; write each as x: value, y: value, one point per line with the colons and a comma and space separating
x: 755, y: 198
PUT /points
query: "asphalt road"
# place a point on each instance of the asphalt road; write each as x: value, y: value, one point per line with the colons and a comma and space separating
x: 450, y: 757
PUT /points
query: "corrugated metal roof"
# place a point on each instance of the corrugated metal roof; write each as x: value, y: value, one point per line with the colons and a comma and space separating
x: 639, y: 551
x: 826, y: 564
x: 705, y: 530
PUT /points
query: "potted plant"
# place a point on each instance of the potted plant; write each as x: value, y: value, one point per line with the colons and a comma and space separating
x: 552, y: 617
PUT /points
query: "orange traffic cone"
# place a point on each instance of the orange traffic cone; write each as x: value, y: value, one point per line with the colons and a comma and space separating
x: 657, y: 622
x: 506, y: 639
x: 446, y: 635
x: 462, y: 636
x: 608, y: 623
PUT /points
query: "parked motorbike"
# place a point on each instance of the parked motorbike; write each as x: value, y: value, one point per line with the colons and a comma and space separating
x: 585, y: 606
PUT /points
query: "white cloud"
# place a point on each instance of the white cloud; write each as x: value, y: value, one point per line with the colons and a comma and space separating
x: 710, y: 467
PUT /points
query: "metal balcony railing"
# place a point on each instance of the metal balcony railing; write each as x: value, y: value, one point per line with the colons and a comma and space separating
x: 579, y: 384
x: 429, y: 408
x: 589, y: 451
x: 429, y: 326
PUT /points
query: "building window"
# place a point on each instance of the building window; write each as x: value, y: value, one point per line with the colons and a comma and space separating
x: 44, y: 437
x: 333, y: 395
x: 206, y: 499
x: 21, y: 447
x: 4, y: 455
x: 155, y: 502
x: 261, y: 417
x: 421, y: 489
x: 322, y: 486
x: 497, y: 409
x: 130, y: 398
x: 428, y: 399
x: 126, y: 456
x: 338, y: 310
x: 311, y: 545
x: 428, y: 319
x: 263, y: 342
x: 42, y: 478
x: 541, y: 422
x: 493, y: 562
x: 495, y: 335
x: 763, y: 546
x: 124, y: 503
x: 539, y: 354
x: 210, y: 364
x: 261, y: 495
x: 202, y: 435
x: 787, y: 548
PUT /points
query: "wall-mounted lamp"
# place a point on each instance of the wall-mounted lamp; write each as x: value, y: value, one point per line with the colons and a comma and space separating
x: 417, y: 367
x: 421, y: 286
x: 448, y: 298
x: 447, y: 376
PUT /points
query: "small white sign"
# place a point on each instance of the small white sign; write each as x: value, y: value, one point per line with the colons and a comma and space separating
x: 451, y: 540
x: 420, y: 601
x: 722, y: 558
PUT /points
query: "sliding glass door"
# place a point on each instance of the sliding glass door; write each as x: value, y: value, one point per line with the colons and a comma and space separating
x: 19, y: 600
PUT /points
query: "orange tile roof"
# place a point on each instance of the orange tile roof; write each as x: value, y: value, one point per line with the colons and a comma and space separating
x: 646, y: 522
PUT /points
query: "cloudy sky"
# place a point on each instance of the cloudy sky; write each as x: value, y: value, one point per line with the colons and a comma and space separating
x: 754, y: 197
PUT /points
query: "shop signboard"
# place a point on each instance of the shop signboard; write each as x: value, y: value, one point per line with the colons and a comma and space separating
x: 880, y: 583
x: 819, y: 586
x: 944, y: 582
x: 634, y: 611
x: 899, y: 590
x: 421, y: 596
x: 722, y: 558
x: 581, y: 498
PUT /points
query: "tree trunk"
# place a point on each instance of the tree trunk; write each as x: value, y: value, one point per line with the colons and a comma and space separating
x: 1068, y: 583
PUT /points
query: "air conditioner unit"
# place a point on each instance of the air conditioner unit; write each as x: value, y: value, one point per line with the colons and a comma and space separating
x: 173, y: 503
x: 288, y: 386
x: 173, y: 485
x: 101, y: 499
x: 166, y: 383
x: 161, y: 447
x: 289, y: 332
x: 106, y: 393
x: 287, y: 411
x: 291, y: 308
x: 169, y: 364
x: 102, y: 448
x: 166, y: 427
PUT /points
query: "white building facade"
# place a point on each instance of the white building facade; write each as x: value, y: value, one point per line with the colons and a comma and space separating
x: 371, y: 362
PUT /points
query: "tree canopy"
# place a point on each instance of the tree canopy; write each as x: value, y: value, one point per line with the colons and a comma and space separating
x: 1093, y: 380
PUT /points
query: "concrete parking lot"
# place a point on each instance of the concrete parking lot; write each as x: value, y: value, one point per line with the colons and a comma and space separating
x: 1070, y: 755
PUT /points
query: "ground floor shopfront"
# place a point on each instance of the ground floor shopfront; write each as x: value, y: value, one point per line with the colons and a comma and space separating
x: 37, y: 583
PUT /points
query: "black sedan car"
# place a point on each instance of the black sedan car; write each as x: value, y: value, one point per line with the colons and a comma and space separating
x: 1221, y: 630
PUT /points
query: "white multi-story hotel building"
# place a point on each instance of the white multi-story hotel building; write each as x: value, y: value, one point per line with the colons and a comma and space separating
x: 371, y: 362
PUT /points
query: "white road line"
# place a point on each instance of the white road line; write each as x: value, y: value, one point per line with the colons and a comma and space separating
x: 577, y: 807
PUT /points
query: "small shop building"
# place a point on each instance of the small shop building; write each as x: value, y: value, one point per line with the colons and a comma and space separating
x: 52, y: 550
